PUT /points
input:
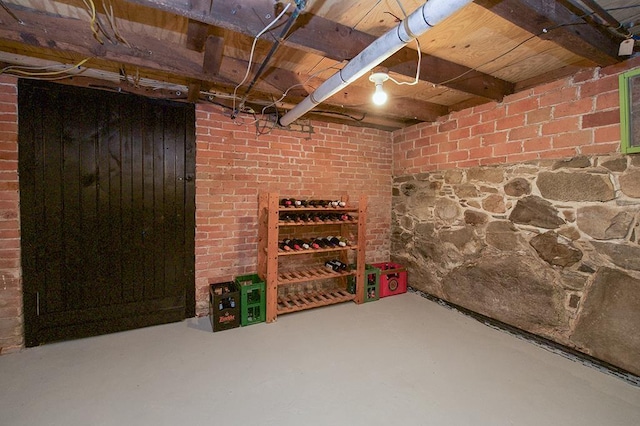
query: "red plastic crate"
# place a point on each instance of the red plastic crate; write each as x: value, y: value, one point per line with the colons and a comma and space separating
x: 393, y: 278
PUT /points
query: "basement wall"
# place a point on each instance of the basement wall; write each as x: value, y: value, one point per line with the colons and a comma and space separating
x: 11, y: 335
x: 233, y: 167
x: 524, y: 211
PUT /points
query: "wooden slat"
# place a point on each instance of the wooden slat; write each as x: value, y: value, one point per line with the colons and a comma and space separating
x: 320, y: 250
x: 302, y: 301
x: 313, y: 274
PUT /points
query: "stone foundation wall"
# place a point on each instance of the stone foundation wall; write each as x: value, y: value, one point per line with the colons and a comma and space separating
x: 550, y: 247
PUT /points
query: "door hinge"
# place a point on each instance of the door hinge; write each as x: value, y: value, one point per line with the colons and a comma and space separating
x: 37, y: 303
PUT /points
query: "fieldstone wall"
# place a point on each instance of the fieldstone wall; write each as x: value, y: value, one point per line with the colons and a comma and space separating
x: 551, y: 247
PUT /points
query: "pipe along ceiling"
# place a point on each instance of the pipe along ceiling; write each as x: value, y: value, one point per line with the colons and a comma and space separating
x: 416, y: 24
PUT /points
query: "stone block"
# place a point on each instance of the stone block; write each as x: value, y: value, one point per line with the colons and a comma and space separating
x: 466, y: 191
x: 482, y: 174
x: 615, y: 165
x: 504, y: 236
x: 515, y: 289
x: 604, y: 222
x: 494, y: 204
x: 453, y: 176
x: 579, y: 162
x: 473, y: 217
x: 447, y: 210
x: 608, y: 326
x: 517, y: 187
x: 630, y: 184
x: 573, y: 280
x: 579, y: 186
x: 535, y: 211
x: 553, y: 251
x: 626, y: 256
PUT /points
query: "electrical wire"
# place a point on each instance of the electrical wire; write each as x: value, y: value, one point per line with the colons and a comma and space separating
x: 286, y: 92
x: 10, y: 12
x: 419, y: 48
x: 15, y: 69
x: 91, y: 9
x: 253, y: 48
x: 112, y: 21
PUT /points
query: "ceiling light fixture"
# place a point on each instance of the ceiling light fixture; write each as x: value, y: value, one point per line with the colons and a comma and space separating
x: 379, y: 96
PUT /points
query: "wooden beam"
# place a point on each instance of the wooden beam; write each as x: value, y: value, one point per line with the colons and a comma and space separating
x: 551, y: 20
x: 440, y: 71
x: 327, y: 38
x: 213, y: 51
x: 193, y: 93
x: 197, y: 33
x: 57, y: 37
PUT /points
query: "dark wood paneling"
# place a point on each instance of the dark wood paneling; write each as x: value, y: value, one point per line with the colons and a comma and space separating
x: 107, y: 210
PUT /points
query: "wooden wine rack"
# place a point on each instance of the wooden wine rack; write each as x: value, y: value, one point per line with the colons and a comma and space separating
x: 270, y: 257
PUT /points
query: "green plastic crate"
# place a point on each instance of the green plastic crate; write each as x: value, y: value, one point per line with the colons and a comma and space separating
x: 252, y: 299
x: 371, y: 283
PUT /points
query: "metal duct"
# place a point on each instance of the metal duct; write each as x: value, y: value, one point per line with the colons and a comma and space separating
x: 416, y: 24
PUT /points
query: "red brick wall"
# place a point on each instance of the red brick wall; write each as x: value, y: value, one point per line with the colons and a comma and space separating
x: 11, y: 334
x: 575, y: 115
x: 233, y: 166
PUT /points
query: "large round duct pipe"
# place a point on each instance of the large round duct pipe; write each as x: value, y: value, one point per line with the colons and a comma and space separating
x: 416, y: 24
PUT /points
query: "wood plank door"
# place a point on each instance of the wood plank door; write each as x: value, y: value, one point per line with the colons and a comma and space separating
x: 107, y: 195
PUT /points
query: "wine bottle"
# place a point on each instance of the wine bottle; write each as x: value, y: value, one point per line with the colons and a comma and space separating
x: 319, y: 243
x: 303, y: 245
x: 313, y: 244
x: 328, y: 243
x: 344, y: 240
x: 282, y: 246
x: 296, y: 203
x: 292, y: 245
x: 286, y: 202
x: 337, y: 242
x: 330, y: 264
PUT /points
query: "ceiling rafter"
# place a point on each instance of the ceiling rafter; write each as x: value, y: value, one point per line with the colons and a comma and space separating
x: 59, y: 34
x: 332, y: 40
x: 552, y: 20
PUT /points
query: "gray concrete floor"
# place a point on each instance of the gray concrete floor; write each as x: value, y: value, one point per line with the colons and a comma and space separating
x: 403, y: 360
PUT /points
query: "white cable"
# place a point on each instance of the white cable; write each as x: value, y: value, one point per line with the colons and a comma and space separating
x: 253, y: 47
x: 417, y: 79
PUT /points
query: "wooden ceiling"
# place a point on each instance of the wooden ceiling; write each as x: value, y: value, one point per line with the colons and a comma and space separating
x: 200, y: 51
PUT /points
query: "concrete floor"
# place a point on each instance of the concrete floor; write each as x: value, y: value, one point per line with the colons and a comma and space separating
x: 403, y: 360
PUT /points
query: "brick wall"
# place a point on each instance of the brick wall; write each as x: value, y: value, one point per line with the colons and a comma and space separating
x: 11, y: 335
x: 233, y: 166
x: 572, y: 116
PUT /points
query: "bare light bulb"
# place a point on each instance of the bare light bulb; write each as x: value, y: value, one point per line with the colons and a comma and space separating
x: 379, y: 96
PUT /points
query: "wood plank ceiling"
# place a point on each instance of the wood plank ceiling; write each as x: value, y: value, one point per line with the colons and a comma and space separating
x: 200, y: 51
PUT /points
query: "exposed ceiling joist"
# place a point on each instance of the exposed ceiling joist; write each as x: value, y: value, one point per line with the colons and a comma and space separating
x: 61, y: 34
x: 332, y: 40
x: 552, y: 20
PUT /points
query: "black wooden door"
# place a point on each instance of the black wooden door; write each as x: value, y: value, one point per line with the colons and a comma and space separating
x: 107, y: 209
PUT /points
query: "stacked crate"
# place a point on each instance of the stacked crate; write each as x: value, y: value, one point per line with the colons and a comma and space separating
x: 224, y: 306
x: 252, y: 299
